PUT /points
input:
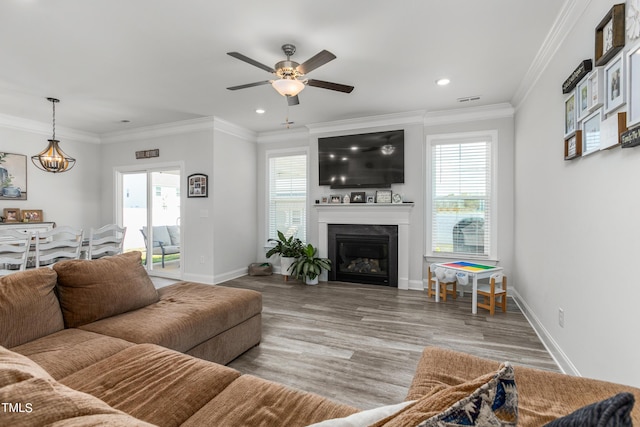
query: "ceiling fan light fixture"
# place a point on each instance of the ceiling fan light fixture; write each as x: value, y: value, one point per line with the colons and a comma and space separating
x: 288, y: 87
x: 53, y: 159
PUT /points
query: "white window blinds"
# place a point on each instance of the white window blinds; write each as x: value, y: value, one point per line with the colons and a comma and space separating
x: 288, y: 196
x: 461, y: 197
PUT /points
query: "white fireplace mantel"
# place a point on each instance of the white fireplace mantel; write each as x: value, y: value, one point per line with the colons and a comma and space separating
x: 370, y: 214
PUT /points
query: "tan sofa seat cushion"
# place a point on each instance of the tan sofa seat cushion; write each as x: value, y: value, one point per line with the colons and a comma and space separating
x: 67, y: 351
x: 542, y: 396
x: 251, y: 401
x: 154, y: 384
x: 31, y: 397
x: 187, y: 315
x: 29, y: 308
x: 90, y: 290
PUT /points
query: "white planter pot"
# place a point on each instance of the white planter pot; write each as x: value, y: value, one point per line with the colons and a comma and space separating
x: 309, y: 281
x: 285, y: 263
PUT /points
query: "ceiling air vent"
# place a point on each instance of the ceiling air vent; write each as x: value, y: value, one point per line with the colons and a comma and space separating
x: 469, y: 98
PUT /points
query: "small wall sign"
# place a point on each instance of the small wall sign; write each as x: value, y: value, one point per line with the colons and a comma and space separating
x: 577, y: 75
x: 147, y: 154
x: 630, y: 138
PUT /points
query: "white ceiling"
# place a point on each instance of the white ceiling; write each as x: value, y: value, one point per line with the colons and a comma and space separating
x: 161, y: 61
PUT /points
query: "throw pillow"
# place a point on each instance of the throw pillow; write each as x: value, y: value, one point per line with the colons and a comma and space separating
x: 29, y: 308
x: 615, y: 411
x: 488, y: 400
x: 91, y: 290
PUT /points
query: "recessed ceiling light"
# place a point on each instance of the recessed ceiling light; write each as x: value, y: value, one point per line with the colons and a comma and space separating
x: 443, y: 82
x: 260, y: 110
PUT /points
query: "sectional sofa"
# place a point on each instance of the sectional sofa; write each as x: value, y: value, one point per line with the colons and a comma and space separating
x: 90, y: 343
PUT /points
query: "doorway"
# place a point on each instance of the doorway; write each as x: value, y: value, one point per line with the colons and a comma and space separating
x: 150, y: 208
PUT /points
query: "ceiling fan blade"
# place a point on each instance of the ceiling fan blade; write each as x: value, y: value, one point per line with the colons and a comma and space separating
x: 316, y: 61
x: 266, y: 82
x: 328, y: 85
x: 253, y: 62
x: 293, y: 100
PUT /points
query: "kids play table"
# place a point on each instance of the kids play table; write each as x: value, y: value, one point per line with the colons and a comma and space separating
x: 473, y: 270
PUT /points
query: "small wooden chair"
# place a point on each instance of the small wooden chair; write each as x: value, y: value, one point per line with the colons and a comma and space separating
x: 490, y: 293
x: 444, y: 286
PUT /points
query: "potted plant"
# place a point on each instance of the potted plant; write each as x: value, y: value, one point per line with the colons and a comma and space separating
x: 288, y: 248
x: 308, y: 266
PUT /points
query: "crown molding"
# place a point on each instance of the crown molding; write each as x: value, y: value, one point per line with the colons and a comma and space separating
x: 234, y: 130
x: 469, y: 114
x: 410, y: 117
x: 296, y: 134
x: 155, y: 131
x: 45, y: 129
x: 569, y: 15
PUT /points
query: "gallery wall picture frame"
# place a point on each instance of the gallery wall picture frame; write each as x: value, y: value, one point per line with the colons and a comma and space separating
x: 13, y: 176
x: 573, y: 146
x: 591, y: 133
x: 596, y: 88
x: 611, y: 130
x: 582, y: 101
x: 32, y: 215
x: 614, y: 84
x: 610, y: 35
x: 633, y: 86
x: 570, y: 115
x: 198, y: 185
x: 11, y: 214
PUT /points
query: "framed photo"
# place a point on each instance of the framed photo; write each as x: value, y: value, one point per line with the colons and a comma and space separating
x: 611, y: 129
x: 570, y: 116
x: 197, y: 185
x: 371, y: 199
x: 633, y: 86
x: 583, y: 98
x: 32, y: 215
x: 595, y: 81
x: 610, y: 35
x: 336, y: 198
x: 324, y: 200
x: 11, y: 215
x: 13, y: 176
x: 383, y: 196
x: 358, y: 197
x: 396, y: 198
x: 573, y: 146
x: 614, y: 84
x: 591, y: 133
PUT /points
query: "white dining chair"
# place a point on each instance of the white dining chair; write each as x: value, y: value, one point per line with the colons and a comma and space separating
x: 58, y: 244
x: 14, y: 251
x: 106, y: 240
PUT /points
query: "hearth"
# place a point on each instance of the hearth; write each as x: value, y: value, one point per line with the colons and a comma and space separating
x: 364, y: 253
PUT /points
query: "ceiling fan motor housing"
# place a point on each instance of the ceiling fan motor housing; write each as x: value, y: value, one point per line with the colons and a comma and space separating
x: 287, y: 70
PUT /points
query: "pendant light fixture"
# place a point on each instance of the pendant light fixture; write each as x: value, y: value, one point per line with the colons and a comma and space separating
x: 53, y: 159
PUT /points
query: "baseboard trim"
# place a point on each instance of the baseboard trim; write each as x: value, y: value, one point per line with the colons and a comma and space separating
x: 200, y: 278
x: 234, y: 274
x: 559, y: 356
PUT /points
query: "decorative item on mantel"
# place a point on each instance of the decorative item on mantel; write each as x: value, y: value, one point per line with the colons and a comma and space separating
x: 53, y: 159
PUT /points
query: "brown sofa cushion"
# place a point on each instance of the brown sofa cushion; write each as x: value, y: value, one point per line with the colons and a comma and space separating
x: 15, y: 368
x: 90, y: 290
x: 154, y: 384
x: 69, y: 350
x: 29, y: 308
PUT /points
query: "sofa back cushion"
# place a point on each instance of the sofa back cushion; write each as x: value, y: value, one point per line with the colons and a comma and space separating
x: 29, y: 308
x: 91, y: 290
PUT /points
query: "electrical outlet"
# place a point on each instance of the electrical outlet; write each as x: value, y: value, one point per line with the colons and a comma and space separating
x: 202, y: 259
x: 561, y: 317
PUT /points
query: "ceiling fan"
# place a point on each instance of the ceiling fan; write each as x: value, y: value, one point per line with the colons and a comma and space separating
x: 289, y: 82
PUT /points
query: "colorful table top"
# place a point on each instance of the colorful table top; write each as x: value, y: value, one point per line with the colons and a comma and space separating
x: 468, y: 266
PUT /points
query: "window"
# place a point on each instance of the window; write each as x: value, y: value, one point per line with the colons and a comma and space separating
x: 461, y: 196
x: 287, y: 195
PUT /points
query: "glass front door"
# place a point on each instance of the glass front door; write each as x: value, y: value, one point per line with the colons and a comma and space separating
x: 151, y: 212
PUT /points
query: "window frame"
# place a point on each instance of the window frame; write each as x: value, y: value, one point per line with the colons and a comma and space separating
x: 490, y: 136
x: 284, y: 152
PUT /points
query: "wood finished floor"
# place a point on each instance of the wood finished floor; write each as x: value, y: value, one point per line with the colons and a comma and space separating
x: 360, y: 344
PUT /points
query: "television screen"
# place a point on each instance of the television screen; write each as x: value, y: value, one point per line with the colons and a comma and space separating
x: 373, y: 160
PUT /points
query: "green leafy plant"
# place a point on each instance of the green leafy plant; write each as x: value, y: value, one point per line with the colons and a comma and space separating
x: 308, y: 265
x: 286, y: 247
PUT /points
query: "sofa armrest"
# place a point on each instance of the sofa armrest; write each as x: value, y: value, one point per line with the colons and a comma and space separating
x: 542, y: 395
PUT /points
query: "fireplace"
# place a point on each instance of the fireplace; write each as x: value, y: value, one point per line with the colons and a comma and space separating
x: 364, y: 253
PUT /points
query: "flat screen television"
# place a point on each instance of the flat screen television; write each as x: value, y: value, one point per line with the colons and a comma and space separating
x: 369, y: 160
